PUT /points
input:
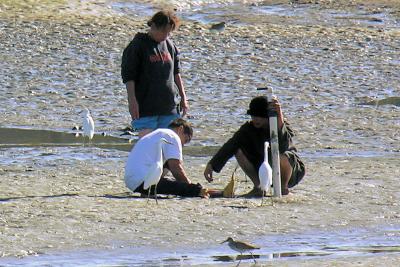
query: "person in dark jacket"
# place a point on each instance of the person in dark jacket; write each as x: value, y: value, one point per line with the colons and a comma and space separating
x: 247, y: 145
x: 150, y: 69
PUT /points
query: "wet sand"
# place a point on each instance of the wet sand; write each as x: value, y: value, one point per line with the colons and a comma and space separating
x: 57, y: 60
x: 70, y: 204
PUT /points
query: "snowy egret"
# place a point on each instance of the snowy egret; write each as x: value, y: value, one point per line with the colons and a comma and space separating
x: 241, y: 246
x: 155, y: 171
x: 88, y: 124
x: 265, y: 173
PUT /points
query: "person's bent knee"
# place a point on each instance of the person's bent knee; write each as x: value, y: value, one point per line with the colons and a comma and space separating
x: 285, y: 162
x: 283, y: 158
x: 247, y: 167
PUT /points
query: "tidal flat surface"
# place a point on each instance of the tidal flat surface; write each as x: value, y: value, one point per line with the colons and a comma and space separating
x: 334, y: 66
x: 54, y: 63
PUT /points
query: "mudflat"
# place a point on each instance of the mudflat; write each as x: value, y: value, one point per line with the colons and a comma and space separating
x: 59, y: 57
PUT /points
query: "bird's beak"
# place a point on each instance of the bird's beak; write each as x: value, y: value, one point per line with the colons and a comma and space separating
x: 224, y: 241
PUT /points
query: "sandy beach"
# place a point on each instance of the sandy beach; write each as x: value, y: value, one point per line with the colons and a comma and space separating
x: 60, y: 56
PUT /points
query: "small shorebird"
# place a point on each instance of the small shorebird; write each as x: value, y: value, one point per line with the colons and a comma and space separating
x: 218, y: 27
x: 241, y: 246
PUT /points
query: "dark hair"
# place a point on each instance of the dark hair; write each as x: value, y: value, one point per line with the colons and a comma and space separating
x: 258, y: 107
x: 187, y: 127
x: 164, y: 18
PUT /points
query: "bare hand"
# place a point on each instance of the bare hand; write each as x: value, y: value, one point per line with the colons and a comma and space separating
x: 277, y: 106
x: 208, y: 173
x: 134, y: 110
x: 184, y: 106
x: 132, y: 102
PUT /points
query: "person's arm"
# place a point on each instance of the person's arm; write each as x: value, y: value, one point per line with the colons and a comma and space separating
x: 208, y: 173
x: 177, y: 170
x: 278, y: 110
x: 132, y: 102
x: 285, y: 133
x: 184, y: 103
x: 131, y: 69
x: 177, y: 77
x: 227, y: 151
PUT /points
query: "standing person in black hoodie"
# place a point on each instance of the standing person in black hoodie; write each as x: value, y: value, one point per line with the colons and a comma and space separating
x: 150, y: 70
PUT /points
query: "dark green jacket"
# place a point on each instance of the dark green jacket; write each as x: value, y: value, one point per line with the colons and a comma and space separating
x: 251, y: 141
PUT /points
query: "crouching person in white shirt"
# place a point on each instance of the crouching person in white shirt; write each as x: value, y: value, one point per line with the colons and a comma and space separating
x: 145, y: 154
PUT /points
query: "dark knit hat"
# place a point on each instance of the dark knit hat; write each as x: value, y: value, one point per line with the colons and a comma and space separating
x: 258, y: 107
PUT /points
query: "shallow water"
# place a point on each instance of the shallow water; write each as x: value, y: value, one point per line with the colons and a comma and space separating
x: 238, y: 12
x: 74, y: 145
x: 351, y: 242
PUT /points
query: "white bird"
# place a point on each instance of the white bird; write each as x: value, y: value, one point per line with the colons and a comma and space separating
x: 88, y: 124
x: 155, y: 171
x: 265, y: 173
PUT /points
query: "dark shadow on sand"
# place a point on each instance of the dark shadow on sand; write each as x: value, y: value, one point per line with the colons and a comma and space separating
x: 124, y: 195
x: 28, y: 197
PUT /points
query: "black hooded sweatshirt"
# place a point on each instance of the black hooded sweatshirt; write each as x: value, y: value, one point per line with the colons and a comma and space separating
x: 152, y: 67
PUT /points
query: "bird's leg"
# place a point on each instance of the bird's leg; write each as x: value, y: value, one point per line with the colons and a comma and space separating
x: 262, y: 197
x: 148, y: 194
x: 240, y: 259
x: 253, y: 257
x: 155, y: 193
x: 272, y: 197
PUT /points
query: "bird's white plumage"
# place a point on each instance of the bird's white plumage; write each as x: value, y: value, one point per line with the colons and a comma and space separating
x: 88, y: 124
x: 155, y: 169
x: 265, y: 171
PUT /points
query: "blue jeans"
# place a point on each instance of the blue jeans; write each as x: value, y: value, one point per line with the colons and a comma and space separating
x: 153, y: 122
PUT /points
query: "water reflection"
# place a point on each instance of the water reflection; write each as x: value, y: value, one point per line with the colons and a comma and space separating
x: 278, y: 247
x: 31, y: 137
x: 16, y: 137
x: 270, y: 256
